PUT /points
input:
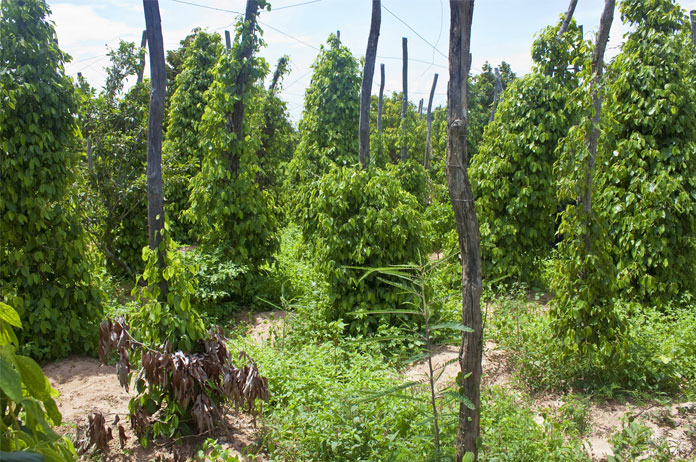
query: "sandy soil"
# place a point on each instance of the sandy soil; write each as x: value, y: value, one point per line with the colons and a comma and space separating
x: 86, y: 387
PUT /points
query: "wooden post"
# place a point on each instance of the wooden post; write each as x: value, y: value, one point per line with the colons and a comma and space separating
x: 429, y: 119
x: 338, y: 34
x: 381, y: 99
x: 461, y: 195
x: 498, y: 91
x: 141, y: 66
x: 420, y: 108
x: 366, y: 88
x: 235, y: 122
x: 593, y: 135
x: 693, y: 26
x: 158, y: 83
x: 228, y: 40
x: 404, y: 100
x: 569, y: 15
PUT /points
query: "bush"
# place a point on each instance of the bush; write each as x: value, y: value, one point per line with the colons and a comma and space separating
x: 27, y: 403
x: 45, y: 260
x: 354, y: 218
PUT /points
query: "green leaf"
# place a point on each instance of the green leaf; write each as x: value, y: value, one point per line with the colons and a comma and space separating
x: 9, y: 315
x: 33, y: 378
x: 10, y: 381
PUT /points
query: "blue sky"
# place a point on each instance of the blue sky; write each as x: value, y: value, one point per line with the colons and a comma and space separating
x: 502, y: 30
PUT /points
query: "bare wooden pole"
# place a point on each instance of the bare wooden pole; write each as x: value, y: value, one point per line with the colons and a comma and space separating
x: 429, y: 119
x: 381, y: 99
x: 569, y: 15
x: 228, y: 40
x: 461, y: 195
x: 420, y: 108
x: 366, y: 87
x: 693, y: 26
x: 141, y: 66
x: 593, y: 135
x: 158, y: 83
x: 404, y: 100
x: 496, y: 95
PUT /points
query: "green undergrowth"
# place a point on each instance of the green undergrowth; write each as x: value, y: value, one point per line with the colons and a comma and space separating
x: 655, y: 357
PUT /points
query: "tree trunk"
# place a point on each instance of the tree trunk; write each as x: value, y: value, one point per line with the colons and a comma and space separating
x: 404, y: 100
x: 568, y: 17
x: 429, y: 118
x: 593, y: 135
x: 158, y: 83
x: 366, y: 88
x: 461, y: 195
x: 141, y: 66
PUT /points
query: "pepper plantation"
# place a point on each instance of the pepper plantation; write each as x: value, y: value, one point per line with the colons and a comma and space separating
x: 510, y: 276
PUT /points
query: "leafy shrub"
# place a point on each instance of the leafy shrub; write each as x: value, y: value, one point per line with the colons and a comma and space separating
x: 173, y: 320
x: 329, y: 125
x: 27, y: 403
x: 114, y: 200
x: 45, y: 262
x: 182, y: 153
x: 360, y: 218
x: 229, y: 211
x: 413, y: 179
x: 217, y: 280
x: 512, y: 173
x: 646, y: 181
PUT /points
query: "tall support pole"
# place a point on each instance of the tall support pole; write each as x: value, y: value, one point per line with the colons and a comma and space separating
x: 228, y: 40
x: 462, y: 198
x: 569, y: 15
x: 404, y: 100
x: 381, y: 99
x: 693, y: 26
x: 496, y: 95
x: 158, y: 83
x: 235, y: 122
x: 141, y: 65
x: 429, y: 118
x: 593, y: 135
x: 420, y: 108
x: 366, y: 88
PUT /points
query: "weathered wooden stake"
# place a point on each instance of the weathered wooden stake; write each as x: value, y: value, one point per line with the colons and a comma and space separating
x: 381, y: 99
x: 593, y: 135
x: 228, y: 40
x: 420, y: 108
x: 693, y: 26
x: 461, y: 195
x: 158, y: 83
x: 569, y: 15
x: 429, y: 119
x: 366, y: 88
x: 141, y: 65
x: 404, y: 100
x: 498, y: 91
